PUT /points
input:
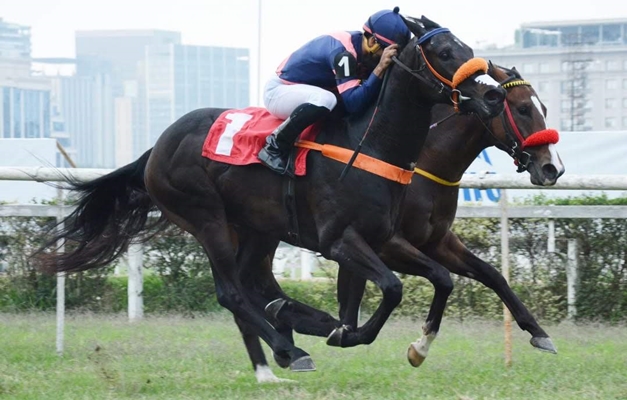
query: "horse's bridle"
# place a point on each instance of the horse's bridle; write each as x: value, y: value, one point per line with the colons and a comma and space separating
x: 440, y: 83
x: 516, y: 150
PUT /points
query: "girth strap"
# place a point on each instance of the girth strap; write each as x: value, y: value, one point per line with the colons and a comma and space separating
x: 364, y: 162
x: 289, y: 197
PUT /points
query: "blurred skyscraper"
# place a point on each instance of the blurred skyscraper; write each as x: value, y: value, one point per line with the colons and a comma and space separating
x: 181, y: 78
x: 25, y: 115
x: 112, y: 60
x: 24, y: 99
x: 83, y: 110
x: 14, y: 40
x: 154, y: 79
x: 110, y: 104
x: 118, y: 53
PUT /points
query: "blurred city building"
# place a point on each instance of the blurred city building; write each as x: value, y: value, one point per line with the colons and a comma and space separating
x: 578, y: 68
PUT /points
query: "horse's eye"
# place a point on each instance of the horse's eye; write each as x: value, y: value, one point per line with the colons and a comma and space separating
x: 444, y: 55
x: 524, y: 110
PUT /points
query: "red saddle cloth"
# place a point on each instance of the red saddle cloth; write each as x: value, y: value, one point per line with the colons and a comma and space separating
x: 237, y: 136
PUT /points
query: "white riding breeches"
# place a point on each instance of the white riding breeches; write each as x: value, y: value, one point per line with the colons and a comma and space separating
x: 281, y: 98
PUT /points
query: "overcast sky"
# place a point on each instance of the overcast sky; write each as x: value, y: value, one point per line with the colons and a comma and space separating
x: 286, y: 24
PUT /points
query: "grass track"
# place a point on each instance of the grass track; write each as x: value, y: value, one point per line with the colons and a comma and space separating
x: 204, y: 358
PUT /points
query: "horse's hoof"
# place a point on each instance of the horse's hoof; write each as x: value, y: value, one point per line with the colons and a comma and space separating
x: 282, y: 362
x: 336, y: 337
x: 265, y: 375
x: 303, y: 364
x: 414, y: 355
x: 274, y: 307
x: 544, y: 344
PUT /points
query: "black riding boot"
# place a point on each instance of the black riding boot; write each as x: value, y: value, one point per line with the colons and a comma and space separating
x: 276, y: 152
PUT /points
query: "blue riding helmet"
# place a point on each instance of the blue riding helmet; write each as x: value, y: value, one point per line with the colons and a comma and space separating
x: 388, y: 28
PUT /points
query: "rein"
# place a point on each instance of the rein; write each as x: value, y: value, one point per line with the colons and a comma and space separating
x: 442, y: 84
x: 467, y: 69
x: 463, y: 72
x: 350, y: 162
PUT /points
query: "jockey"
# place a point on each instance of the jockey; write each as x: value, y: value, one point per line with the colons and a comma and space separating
x: 305, y: 86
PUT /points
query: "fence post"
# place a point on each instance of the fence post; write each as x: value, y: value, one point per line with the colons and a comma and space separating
x: 60, y: 311
x: 306, y: 264
x: 571, y: 278
x: 60, y: 282
x: 507, y: 316
x: 135, y: 282
x: 551, y: 238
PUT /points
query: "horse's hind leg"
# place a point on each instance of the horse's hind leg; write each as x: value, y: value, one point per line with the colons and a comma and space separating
x: 452, y: 254
x: 263, y: 373
x: 231, y: 295
x: 256, y: 276
x: 199, y: 210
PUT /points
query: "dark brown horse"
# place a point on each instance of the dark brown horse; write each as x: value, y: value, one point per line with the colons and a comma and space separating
x: 430, y: 207
x: 425, y: 243
x: 206, y: 198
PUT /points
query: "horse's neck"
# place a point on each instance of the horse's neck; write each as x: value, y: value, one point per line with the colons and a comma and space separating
x: 450, y: 149
x: 398, y: 130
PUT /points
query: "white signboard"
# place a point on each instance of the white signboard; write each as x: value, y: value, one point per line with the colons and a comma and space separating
x: 27, y: 153
x: 582, y: 153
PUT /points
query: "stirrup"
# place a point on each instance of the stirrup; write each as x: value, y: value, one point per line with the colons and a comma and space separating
x: 274, y: 162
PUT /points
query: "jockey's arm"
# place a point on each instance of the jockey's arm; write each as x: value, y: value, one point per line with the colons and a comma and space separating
x: 356, y: 94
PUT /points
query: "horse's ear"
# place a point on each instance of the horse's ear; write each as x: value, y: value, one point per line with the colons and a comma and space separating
x: 495, y: 67
x: 516, y: 73
x: 428, y: 24
x: 414, y: 25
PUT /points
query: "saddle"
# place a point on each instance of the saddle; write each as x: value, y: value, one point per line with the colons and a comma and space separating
x: 237, y: 136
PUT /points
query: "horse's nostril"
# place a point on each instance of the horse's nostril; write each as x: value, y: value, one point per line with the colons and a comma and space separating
x: 549, y: 171
x: 494, y: 96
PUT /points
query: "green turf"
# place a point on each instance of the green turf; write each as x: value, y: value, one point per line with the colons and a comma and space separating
x: 204, y: 358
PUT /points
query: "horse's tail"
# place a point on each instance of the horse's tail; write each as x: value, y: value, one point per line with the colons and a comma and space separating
x: 111, y: 211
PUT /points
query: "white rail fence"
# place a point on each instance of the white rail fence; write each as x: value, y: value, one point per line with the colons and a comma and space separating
x: 475, y: 181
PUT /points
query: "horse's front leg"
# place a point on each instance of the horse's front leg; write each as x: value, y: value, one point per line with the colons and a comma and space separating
x: 350, y: 292
x: 453, y: 255
x: 351, y: 251
x: 285, y: 313
x: 403, y: 257
x: 254, y: 257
